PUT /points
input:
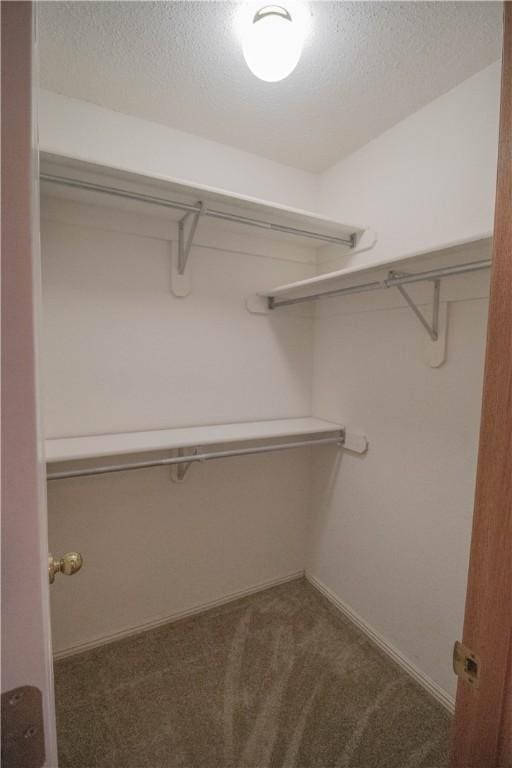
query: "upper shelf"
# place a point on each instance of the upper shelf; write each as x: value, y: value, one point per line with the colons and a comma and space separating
x: 80, y: 179
x: 96, y: 446
x: 337, y: 282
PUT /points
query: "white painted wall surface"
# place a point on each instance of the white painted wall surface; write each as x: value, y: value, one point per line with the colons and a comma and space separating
x: 154, y: 549
x: 390, y: 532
x: 84, y: 131
x: 122, y: 353
x: 428, y: 181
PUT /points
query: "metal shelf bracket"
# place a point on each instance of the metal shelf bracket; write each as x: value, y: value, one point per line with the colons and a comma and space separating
x: 179, y: 471
x: 184, y: 241
x: 431, y: 328
x: 435, y: 346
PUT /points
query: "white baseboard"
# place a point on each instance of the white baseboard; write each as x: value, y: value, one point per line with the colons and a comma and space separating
x: 426, y: 682
x: 153, y: 623
x: 411, y: 669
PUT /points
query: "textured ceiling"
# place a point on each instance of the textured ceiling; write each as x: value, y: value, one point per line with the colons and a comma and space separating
x: 365, y: 67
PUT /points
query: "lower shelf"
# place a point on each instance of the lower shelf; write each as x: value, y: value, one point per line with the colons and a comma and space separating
x: 96, y: 446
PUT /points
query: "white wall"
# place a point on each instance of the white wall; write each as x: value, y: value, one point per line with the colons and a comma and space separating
x: 154, y: 549
x: 122, y: 353
x: 84, y: 131
x: 390, y: 532
x: 429, y: 180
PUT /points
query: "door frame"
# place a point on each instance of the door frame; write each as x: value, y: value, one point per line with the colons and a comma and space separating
x: 26, y: 630
x: 482, y: 730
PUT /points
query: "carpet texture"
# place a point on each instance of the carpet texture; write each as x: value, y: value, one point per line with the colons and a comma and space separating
x: 278, y: 679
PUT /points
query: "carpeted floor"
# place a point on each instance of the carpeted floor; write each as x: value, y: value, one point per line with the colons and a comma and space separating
x: 275, y: 679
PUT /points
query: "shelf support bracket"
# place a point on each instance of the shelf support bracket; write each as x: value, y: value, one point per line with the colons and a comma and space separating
x: 179, y: 471
x: 431, y: 328
x: 184, y: 241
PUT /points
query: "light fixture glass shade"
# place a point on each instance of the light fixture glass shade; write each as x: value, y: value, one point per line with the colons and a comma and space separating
x: 272, y: 44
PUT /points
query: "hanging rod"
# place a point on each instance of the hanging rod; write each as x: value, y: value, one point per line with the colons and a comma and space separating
x: 339, y: 439
x: 393, y: 280
x: 349, y: 241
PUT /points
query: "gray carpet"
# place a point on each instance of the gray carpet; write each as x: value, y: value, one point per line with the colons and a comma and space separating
x: 275, y: 679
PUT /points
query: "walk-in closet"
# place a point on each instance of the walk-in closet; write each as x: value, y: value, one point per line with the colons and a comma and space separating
x: 266, y: 240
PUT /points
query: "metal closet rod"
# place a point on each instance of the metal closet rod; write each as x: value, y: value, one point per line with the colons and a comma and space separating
x: 339, y: 439
x: 196, y: 208
x: 389, y: 282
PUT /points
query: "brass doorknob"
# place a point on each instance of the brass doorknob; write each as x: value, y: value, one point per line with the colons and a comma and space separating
x: 68, y: 565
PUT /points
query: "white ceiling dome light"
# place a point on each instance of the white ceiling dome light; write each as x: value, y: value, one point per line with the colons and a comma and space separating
x: 272, y: 43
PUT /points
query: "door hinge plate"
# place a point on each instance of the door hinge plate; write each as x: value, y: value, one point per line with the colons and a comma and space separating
x: 22, y: 728
x: 466, y: 664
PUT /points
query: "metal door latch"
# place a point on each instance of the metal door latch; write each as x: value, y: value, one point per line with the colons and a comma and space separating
x: 466, y: 664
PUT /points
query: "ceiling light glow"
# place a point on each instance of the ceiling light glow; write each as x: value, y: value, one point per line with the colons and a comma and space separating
x: 272, y: 43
